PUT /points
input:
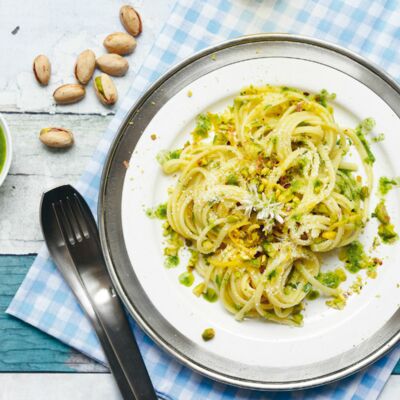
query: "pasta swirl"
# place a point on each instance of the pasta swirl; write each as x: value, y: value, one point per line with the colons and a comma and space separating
x: 262, y: 189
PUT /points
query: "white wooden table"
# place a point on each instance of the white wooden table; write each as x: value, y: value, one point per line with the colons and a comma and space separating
x: 60, y: 29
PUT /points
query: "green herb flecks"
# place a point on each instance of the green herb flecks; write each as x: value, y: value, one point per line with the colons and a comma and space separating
x: 323, y: 97
x: 362, y: 130
x: 379, y: 138
x: 159, y: 212
x: 387, y: 184
x: 271, y: 274
x: 307, y: 287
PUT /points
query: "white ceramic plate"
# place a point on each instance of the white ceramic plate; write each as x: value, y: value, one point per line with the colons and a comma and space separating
x: 327, y: 334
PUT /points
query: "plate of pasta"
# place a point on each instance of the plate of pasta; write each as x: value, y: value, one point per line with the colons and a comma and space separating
x: 248, y: 212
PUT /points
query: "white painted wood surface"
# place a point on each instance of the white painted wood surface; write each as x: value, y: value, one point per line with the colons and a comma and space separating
x: 36, y: 168
x: 60, y: 29
x: 94, y: 387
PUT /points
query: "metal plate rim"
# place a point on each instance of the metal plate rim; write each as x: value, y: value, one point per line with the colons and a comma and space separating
x: 292, y: 385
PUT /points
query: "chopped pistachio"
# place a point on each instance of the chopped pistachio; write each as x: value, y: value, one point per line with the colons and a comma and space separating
x: 208, y: 334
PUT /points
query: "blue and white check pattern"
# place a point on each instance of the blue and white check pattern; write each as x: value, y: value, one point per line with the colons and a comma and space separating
x: 368, y: 27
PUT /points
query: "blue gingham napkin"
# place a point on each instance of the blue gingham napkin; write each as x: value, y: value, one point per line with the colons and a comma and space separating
x: 368, y: 27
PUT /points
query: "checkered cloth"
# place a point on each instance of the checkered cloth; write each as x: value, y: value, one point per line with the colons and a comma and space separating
x: 368, y: 27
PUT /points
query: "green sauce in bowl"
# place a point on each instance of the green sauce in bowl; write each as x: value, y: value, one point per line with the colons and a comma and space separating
x: 2, y: 149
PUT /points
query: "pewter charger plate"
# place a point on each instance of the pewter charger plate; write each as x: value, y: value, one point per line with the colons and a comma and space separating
x: 253, y: 354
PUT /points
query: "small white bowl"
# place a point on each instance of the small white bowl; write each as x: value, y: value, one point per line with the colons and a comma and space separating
x: 9, y: 149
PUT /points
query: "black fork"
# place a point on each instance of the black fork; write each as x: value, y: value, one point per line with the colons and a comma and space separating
x: 73, y: 241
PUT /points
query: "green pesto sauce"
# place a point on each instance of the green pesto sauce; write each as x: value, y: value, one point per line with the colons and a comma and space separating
x: 386, y: 184
x: 186, y: 278
x: 2, y: 149
x: 210, y: 295
x: 332, y: 279
x: 159, y: 212
x: 171, y: 261
x: 362, y: 129
x: 355, y: 258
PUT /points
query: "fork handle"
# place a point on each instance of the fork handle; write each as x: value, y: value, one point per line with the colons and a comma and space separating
x: 114, y: 321
x: 72, y: 277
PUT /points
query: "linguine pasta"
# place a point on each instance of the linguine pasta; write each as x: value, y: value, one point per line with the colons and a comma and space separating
x: 262, y: 189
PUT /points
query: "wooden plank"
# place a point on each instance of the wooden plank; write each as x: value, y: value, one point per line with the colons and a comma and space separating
x: 36, y: 168
x: 62, y: 30
x: 24, y: 348
x: 396, y: 370
x: 58, y: 387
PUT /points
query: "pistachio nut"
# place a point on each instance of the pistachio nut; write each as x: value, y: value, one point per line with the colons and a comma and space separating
x: 84, y: 67
x: 56, y: 137
x: 69, y: 93
x: 120, y: 43
x: 112, y: 64
x: 42, y: 69
x: 105, y: 89
x: 131, y: 20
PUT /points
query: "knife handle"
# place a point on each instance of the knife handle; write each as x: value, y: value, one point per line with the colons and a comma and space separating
x: 114, y: 321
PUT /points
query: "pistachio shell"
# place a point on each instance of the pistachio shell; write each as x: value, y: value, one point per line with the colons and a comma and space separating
x: 105, y: 89
x: 84, y: 67
x: 112, y: 64
x: 69, y: 93
x: 131, y: 20
x: 120, y: 43
x: 42, y: 69
x: 56, y: 137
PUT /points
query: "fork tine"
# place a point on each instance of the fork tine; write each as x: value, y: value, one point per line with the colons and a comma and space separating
x: 80, y: 216
x: 63, y: 222
x: 73, y: 220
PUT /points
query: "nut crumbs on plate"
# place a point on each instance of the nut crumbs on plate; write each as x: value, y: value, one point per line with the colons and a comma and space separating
x: 208, y: 334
